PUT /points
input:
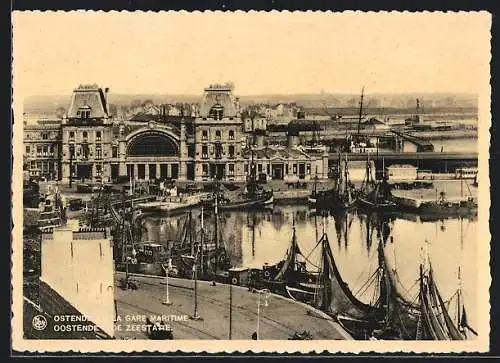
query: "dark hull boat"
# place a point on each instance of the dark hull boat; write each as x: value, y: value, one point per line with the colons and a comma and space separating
x: 258, y: 201
x: 375, y: 205
x: 375, y: 195
x: 462, y: 208
x: 340, y: 197
x: 435, y: 321
x: 290, y: 271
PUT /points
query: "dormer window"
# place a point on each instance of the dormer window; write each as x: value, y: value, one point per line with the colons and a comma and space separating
x: 217, y: 112
x: 83, y: 112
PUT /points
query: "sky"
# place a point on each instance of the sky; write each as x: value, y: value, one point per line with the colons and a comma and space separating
x: 261, y: 53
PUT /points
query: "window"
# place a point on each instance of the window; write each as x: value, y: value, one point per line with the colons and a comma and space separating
x: 308, y: 168
x: 217, y: 134
x: 45, y: 136
x: 72, y: 151
x: 98, y: 135
x: 204, y: 135
x: 51, y: 149
x: 98, y: 153
x: 231, y: 134
x: 190, y: 151
x: 295, y: 168
x: 286, y: 168
x: 204, y: 168
x: 85, y: 134
x: 38, y: 150
x: 204, y: 151
x: 259, y: 168
x: 45, y: 150
x: 268, y: 169
x: 98, y: 170
x: 71, y: 134
x: 218, y: 151
x: 231, y: 169
x: 246, y: 168
x: 85, y: 151
x: 231, y: 151
x: 114, y: 151
x: 39, y: 165
x: 32, y: 164
x: 27, y: 149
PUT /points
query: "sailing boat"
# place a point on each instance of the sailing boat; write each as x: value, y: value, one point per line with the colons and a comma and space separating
x: 464, y: 206
x: 375, y: 195
x: 341, y: 196
x: 215, y: 259
x: 289, y: 272
x: 436, y: 323
x: 254, y: 196
x: 344, y: 198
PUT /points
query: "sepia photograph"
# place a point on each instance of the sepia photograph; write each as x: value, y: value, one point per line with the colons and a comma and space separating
x: 264, y: 181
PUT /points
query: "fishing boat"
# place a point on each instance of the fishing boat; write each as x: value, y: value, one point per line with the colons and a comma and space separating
x: 213, y: 259
x: 254, y: 195
x: 289, y: 273
x: 436, y: 322
x: 375, y: 195
x: 340, y: 197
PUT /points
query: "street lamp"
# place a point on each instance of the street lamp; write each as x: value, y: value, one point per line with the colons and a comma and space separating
x: 195, y: 316
x: 267, y: 294
x: 167, y: 301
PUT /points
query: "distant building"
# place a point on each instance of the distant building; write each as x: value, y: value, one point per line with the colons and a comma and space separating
x: 398, y: 172
x: 87, y: 135
x: 182, y: 141
x: 357, y: 170
x: 78, y: 265
x: 373, y: 124
x: 42, y: 149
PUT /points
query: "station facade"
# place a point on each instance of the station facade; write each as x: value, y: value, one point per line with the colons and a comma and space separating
x: 92, y: 145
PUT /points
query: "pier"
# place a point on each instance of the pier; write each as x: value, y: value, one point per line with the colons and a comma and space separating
x: 280, y: 319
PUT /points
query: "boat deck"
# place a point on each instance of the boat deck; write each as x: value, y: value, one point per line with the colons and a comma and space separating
x: 279, y: 320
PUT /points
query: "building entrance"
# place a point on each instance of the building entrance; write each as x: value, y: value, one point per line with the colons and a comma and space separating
x: 84, y: 171
x: 277, y: 171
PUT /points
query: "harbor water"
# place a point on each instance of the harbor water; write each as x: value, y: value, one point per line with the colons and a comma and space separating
x: 258, y: 237
x: 465, y: 145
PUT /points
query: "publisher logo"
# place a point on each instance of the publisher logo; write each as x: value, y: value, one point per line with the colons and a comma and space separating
x: 39, y: 322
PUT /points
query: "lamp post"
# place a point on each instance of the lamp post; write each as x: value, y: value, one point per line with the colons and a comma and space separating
x: 267, y: 294
x: 195, y: 316
x: 167, y: 301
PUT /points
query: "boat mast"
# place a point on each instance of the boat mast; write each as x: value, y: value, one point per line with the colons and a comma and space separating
x: 216, y: 216
x: 360, y: 113
x: 316, y: 181
x: 124, y: 241
x: 202, y: 237
x: 253, y: 234
x: 347, y: 194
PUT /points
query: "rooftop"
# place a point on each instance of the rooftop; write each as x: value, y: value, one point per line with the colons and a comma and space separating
x: 89, y: 97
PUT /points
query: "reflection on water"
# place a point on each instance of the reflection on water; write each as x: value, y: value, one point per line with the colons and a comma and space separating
x: 255, y: 238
